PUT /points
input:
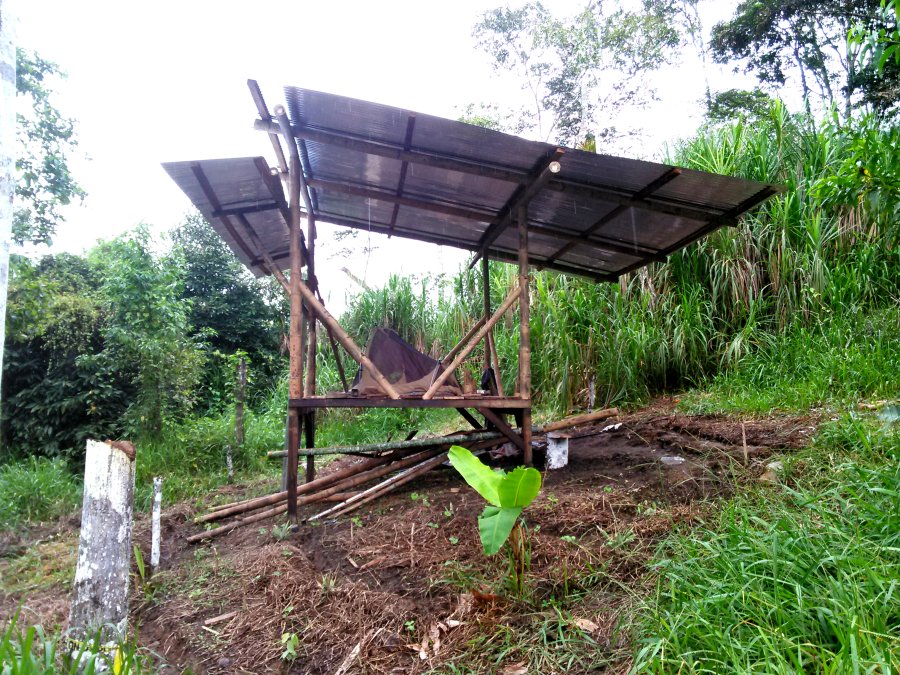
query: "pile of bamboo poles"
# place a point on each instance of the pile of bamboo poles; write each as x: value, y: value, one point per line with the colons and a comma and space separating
x: 405, y: 459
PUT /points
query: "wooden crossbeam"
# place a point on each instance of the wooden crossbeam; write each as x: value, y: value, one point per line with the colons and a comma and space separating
x: 668, y: 176
x: 401, y: 183
x: 524, y: 194
x: 391, y: 196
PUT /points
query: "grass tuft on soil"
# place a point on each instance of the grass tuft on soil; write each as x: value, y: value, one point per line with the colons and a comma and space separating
x: 795, y: 578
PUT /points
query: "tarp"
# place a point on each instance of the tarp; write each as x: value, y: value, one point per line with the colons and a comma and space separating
x: 408, y: 370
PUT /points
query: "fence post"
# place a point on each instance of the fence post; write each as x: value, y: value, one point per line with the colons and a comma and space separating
x: 155, y: 524
x: 239, y: 393
x: 104, y: 547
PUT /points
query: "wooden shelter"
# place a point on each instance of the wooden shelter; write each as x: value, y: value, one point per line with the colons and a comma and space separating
x: 363, y: 165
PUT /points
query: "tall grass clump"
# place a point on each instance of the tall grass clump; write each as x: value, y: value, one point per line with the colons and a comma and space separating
x: 33, y: 652
x: 802, y: 579
x: 36, y: 489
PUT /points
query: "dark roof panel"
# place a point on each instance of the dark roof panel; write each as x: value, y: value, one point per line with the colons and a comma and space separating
x: 390, y: 170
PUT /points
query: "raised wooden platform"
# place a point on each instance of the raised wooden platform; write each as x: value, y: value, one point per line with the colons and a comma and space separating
x: 489, y: 402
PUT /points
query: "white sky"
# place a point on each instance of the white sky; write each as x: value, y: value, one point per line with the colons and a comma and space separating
x: 150, y: 82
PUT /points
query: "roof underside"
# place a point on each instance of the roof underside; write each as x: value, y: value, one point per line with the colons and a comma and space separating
x: 421, y: 177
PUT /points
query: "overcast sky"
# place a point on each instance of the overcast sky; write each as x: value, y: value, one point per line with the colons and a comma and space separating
x: 164, y: 81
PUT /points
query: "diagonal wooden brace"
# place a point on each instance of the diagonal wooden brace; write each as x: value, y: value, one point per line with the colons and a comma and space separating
x: 346, y: 341
x: 510, y: 299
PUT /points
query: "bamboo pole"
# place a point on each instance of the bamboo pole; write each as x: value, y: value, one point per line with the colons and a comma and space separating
x: 524, y: 333
x: 507, y: 303
x: 339, y: 486
x: 295, y: 377
x: 496, y: 360
x: 374, y: 492
x: 323, y: 482
x: 402, y: 445
x: 486, y: 301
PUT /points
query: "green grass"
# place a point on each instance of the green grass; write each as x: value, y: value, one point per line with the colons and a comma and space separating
x: 799, y: 578
x: 834, y: 363
x: 36, y: 490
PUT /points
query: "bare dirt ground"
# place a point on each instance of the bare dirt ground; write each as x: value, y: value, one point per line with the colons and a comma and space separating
x: 402, y: 585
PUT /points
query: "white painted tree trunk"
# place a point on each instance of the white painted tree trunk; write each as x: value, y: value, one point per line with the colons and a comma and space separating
x: 7, y: 153
x: 104, y: 550
x: 155, y: 525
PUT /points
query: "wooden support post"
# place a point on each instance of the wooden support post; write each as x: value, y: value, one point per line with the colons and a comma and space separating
x: 295, y: 346
x: 155, y: 524
x: 486, y: 300
x: 309, y: 388
x: 507, y: 303
x: 309, y: 428
x: 104, y: 548
x: 239, y: 393
x: 524, y: 332
x: 229, y: 464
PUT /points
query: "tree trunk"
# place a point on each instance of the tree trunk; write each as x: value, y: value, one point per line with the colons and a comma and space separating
x: 7, y: 154
x: 104, y: 548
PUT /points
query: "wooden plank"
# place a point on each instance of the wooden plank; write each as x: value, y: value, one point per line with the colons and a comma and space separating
x: 507, y: 403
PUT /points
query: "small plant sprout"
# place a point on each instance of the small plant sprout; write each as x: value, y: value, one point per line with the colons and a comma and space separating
x: 453, y: 540
x: 449, y: 512
x: 410, y: 626
x: 507, y: 494
x: 281, y: 532
x: 290, y: 642
x: 327, y: 583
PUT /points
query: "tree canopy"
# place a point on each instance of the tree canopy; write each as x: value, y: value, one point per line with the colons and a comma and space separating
x: 46, y: 138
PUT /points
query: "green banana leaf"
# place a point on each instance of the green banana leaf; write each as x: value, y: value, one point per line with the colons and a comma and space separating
x: 520, y: 487
x: 481, y: 478
x: 494, y: 525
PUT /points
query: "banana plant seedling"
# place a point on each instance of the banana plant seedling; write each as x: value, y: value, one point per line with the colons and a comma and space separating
x: 507, y: 494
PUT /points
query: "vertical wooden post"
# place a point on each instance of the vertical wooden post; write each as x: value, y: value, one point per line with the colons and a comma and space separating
x: 104, y: 547
x: 295, y: 346
x: 239, y: 393
x: 309, y: 388
x: 486, y: 292
x: 524, y: 332
x: 155, y: 524
x: 229, y: 464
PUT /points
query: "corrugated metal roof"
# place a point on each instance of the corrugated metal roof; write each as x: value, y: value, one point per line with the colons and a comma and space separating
x: 423, y: 177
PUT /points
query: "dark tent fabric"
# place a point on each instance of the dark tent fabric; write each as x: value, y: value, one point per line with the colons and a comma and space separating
x: 408, y: 370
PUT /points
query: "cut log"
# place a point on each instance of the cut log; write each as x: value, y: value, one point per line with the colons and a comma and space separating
x: 104, y: 547
x: 578, y: 419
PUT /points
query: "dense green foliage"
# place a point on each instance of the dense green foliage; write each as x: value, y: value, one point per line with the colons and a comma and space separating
x: 119, y: 342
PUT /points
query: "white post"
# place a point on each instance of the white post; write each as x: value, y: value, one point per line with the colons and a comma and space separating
x: 155, y: 525
x: 229, y: 463
x: 104, y: 549
x: 557, y: 450
x: 7, y: 152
